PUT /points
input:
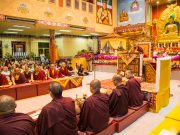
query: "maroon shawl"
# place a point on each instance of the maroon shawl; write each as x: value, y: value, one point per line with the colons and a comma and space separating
x: 118, y: 101
x: 40, y: 76
x: 94, y: 115
x: 21, y: 79
x: 64, y: 71
x: 53, y: 75
x: 3, y: 80
x: 134, y: 91
x: 16, y: 124
x: 27, y: 75
x: 58, y: 118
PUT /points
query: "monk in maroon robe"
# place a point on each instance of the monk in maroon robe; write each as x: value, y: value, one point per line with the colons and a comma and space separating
x: 59, y: 116
x: 118, y: 100
x: 94, y: 116
x: 3, y: 79
x: 27, y: 73
x: 64, y: 70
x: 39, y: 74
x: 12, y: 123
x: 134, y: 90
x: 18, y: 77
x: 53, y: 73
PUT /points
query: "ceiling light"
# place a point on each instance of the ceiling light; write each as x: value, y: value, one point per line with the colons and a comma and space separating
x: 20, y: 26
x: 86, y: 35
x: 157, y: 2
x: 15, y: 29
x: 10, y: 32
x: 94, y: 34
x: 80, y: 29
x: 65, y: 30
x: 47, y: 35
x: 57, y: 33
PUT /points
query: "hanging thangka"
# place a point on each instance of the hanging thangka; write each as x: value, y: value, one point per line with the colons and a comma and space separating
x: 104, y: 12
x: 131, y: 12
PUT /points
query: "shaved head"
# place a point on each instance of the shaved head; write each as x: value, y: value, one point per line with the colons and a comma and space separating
x: 95, y: 86
x: 128, y: 74
x: 117, y: 79
x: 7, y: 104
x: 55, y: 89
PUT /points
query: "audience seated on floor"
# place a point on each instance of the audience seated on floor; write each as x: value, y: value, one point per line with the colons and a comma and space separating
x: 118, y: 99
x: 134, y: 90
x: 59, y: 116
x: 94, y: 115
x: 12, y: 123
x: 32, y: 70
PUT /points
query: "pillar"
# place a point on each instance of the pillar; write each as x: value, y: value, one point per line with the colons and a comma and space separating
x: 52, y: 46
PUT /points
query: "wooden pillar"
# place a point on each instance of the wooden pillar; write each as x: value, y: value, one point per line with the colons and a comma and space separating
x: 52, y: 46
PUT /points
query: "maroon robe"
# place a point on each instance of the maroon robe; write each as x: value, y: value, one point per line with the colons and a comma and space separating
x: 118, y: 101
x: 64, y: 71
x: 54, y: 75
x: 140, y: 50
x: 58, y: 118
x: 40, y: 76
x: 21, y: 79
x: 94, y: 115
x: 134, y: 92
x: 27, y: 75
x: 3, y: 80
x: 16, y: 124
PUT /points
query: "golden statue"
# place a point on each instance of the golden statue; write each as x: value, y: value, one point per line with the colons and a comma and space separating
x: 172, y: 27
x: 168, y: 24
x: 124, y: 16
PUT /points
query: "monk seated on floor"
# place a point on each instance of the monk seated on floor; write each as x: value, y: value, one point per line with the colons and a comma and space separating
x: 53, y: 73
x: 18, y: 77
x: 28, y: 74
x: 134, y: 90
x: 12, y: 123
x: 59, y: 116
x: 38, y: 74
x: 118, y: 99
x: 63, y: 70
x: 94, y: 115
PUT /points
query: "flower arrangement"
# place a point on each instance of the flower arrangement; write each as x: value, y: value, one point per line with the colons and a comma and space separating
x: 102, y: 59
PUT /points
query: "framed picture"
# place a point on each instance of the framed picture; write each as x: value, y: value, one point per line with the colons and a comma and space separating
x: 146, y: 46
x: 90, y: 8
x: 68, y: 3
x: 104, y: 12
x: 76, y: 4
x: 83, y: 6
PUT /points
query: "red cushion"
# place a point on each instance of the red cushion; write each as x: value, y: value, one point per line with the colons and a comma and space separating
x: 118, y: 119
x: 145, y: 103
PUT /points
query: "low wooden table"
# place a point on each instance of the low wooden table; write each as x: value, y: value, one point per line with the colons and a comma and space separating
x: 10, y: 91
x: 22, y: 91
